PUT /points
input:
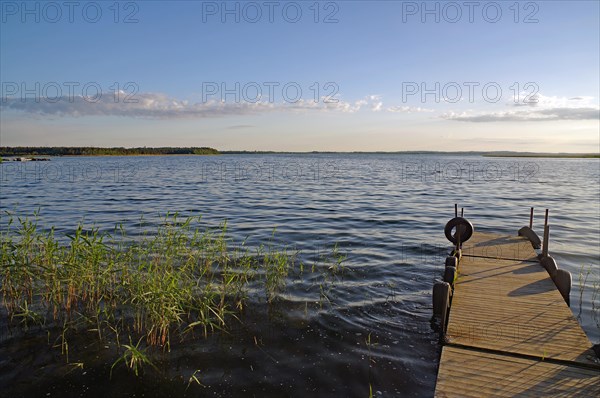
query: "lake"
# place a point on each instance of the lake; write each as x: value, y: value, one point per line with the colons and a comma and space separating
x: 386, y: 212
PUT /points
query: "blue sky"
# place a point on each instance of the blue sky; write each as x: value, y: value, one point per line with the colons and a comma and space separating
x: 539, y: 69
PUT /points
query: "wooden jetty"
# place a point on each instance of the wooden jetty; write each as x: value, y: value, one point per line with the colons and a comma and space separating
x: 509, y: 331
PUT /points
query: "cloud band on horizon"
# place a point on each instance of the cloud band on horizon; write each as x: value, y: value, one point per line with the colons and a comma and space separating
x: 161, y: 106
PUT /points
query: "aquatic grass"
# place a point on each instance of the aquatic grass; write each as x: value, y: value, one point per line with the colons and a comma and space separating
x: 582, y: 279
x: 337, y: 259
x: 74, y: 366
x: 583, y: 285
x: 194, y: 379
x: 170, y: 282
x: 134, y: 357
x: 333, y: 271
x: 90, y: 279
x: 275, y: 264
x: 28, y: 317
x: 370, y: 344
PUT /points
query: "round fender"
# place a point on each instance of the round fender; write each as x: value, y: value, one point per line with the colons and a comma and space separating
x: 550, y: 264
x: 450, y: 275
x: 563, y: 281
x: 451, y: 261
x: 441, y: 300
x: 463, y: 226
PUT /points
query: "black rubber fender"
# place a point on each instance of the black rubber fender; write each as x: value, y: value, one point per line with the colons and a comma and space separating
x: 466, y: 229
x: 450, y: 275
x: 532, y: 236
x: 451, y: 261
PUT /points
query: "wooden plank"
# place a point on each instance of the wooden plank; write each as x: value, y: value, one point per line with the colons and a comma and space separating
x: 510, y: 333
x: 495, y: 246
x: 513, y: 306
x: 468, y: 373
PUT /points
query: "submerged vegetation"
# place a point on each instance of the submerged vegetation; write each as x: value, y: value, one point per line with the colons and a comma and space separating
x: 179, y: 282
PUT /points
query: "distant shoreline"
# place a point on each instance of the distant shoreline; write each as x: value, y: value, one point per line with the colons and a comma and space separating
x: 11, y: 152
x: 19, y: 151
x: 547, y: 156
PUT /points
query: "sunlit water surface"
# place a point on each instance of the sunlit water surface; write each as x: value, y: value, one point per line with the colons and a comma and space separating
x: 386, y: 212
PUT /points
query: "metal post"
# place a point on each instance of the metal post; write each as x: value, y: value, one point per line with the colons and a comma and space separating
x: 546, y: 239
x: 531, y: 219
x: 462, y: 211
x: 546, y: 220
x: 456, y: 210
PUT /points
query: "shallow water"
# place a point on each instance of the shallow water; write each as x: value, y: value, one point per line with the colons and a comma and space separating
x: 386, y: 212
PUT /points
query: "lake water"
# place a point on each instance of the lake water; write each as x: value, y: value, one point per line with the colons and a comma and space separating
x: 386, y: 212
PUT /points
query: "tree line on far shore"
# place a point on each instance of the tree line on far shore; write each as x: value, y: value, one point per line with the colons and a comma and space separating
x: 95, y: 151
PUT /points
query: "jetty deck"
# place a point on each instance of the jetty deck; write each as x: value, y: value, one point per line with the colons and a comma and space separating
x: 510, y: 332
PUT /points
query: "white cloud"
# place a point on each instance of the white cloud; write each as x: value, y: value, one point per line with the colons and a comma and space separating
x: 538, y: 108
x: 161, y: 106
x: 542, y: 115
x: 542, y: 101
x: 407, y: 109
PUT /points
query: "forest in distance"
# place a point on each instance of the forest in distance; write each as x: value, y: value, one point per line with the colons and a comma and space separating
x: 98, y: 151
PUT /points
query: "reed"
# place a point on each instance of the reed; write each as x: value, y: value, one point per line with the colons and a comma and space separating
x: 593, y: 288
x: 169, y: 283
x: 134, y: 357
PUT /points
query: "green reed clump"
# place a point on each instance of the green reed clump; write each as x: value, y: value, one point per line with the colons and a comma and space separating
x: 176, y: 280
x: 171, y: 282
x: 276, y: 269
